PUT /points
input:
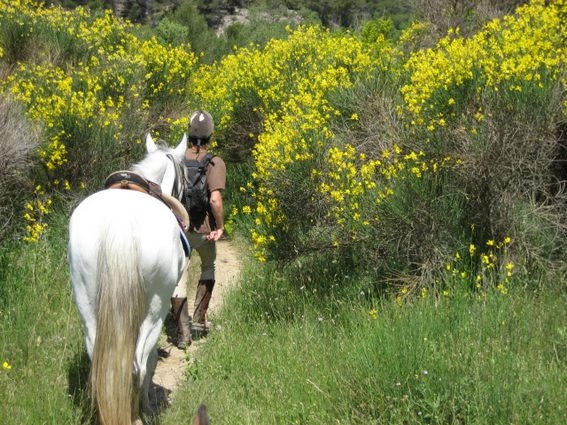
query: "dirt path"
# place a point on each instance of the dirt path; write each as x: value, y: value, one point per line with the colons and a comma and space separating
x: 172, y: 362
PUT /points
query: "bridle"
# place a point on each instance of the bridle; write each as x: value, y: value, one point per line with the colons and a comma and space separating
x: 178, y: 183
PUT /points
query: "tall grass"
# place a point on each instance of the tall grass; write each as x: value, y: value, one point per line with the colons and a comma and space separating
x: 41, y: 342
x: 498, y: 359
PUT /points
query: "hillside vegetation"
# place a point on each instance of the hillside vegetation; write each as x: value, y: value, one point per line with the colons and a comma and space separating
x: 363, y: 147
x: 412, y: 163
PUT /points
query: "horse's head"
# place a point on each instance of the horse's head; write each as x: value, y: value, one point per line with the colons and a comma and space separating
x: 163, y: 165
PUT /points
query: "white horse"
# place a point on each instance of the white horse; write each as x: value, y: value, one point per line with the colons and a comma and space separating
x: 126, y: 255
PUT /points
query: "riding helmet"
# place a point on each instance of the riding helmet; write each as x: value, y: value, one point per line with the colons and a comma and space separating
x: 201, y: 126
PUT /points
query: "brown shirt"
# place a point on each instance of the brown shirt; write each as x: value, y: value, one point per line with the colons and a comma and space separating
x: 216, y: 180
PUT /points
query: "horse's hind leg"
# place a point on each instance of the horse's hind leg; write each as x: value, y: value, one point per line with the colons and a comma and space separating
x: 145, y: 405
x: 146, y: 359
x: 85, y: 302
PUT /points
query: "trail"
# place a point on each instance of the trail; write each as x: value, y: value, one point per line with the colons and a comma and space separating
x: 172, y: 363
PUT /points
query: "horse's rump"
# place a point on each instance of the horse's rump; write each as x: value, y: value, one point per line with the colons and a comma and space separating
x: 126, y: 257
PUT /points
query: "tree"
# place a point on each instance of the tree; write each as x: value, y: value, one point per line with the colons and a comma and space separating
x: 134, y: 10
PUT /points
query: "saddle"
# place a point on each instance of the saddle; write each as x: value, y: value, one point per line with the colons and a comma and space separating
x: 133, y: 181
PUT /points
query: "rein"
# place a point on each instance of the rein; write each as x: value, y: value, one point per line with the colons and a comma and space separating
x: 177, y: 189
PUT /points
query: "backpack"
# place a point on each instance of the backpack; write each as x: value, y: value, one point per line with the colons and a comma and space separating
x: 196, y: 195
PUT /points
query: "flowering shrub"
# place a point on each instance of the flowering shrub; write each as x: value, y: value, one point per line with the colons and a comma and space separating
x: 524, y: 52
x: 311, y: 186
x: 482, y: 268
x: 88, y: 105
x: 287, y: 84
x: 477, y: 269
x: 36, y: 210
x: 355, y: 185
x: 303, y: 178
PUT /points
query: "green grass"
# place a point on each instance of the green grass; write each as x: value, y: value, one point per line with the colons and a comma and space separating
x: 497, y: 360
x: 40, y: 336
x: 300, y: 356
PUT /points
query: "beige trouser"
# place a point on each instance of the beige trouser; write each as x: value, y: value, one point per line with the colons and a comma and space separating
x: 207, y: 251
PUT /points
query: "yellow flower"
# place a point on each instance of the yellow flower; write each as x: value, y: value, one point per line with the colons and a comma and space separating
x: 509, y: 268
x: 373, y: 314
x: 6, y: 365
x: 502, y: 289
x: 472, y: 249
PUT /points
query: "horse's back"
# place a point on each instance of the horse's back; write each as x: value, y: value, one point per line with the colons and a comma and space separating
x: 122, y: 212
x: 127, y: 215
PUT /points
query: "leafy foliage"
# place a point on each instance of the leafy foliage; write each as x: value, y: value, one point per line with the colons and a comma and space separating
x: 403, y: 188
x: 361, y: 143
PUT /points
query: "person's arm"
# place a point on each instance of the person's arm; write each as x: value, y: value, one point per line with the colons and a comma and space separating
x: 218, y: 213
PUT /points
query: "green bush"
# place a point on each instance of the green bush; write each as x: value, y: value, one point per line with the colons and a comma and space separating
x: 203, y: 39
x: 170, y: 32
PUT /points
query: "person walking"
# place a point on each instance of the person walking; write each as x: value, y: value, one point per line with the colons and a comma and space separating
x: 205, y: 229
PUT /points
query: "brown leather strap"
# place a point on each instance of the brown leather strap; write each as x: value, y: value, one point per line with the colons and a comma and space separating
x: 126, y: 179
x: 133, y: 181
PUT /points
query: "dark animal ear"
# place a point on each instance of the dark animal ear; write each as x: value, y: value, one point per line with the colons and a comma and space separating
x: 201, y: 418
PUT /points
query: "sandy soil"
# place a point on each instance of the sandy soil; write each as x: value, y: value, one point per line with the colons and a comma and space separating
x: 170, y: 370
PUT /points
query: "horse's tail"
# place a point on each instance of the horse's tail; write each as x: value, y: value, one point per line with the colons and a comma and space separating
x: 121, y: 309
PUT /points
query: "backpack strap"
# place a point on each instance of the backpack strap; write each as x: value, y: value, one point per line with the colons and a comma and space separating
x: 200, y: 164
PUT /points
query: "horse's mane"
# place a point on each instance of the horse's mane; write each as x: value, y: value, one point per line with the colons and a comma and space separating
x: 153, y: 166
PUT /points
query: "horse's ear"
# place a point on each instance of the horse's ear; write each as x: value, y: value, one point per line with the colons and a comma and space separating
x: 202, y: 417
x: 181, y: 147
x: 150, y: 144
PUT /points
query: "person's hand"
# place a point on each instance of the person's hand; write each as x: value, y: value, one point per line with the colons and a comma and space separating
x: 215, y: 235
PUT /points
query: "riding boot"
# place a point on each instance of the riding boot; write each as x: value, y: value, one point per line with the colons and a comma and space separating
x: 182, y: 322
x: 200, y: 325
